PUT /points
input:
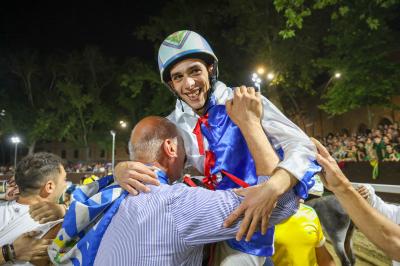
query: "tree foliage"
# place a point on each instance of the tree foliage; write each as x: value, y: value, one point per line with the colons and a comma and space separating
x: 304, y: 43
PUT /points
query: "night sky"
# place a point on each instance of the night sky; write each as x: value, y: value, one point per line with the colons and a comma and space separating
x: 54, y: 26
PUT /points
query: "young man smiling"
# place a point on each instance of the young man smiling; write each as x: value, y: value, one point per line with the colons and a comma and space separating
x: 217, y: 148
x: 190, y: 81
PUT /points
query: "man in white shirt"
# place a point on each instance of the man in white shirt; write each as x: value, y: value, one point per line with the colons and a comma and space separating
x: 380, y: 230
x: 391, y: 211
x: 40, y: 178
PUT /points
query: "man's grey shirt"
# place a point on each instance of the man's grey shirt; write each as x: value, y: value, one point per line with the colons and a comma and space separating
x: 169, y: 226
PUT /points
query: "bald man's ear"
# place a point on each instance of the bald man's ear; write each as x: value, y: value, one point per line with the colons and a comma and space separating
x: 170, y: 149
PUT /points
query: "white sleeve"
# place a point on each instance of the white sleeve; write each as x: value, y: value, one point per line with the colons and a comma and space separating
x: 391, y: 211
x: 293, y: 146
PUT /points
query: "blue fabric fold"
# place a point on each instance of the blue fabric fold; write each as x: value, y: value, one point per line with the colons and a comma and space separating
x: 79, y: 238
x: 232, y: 155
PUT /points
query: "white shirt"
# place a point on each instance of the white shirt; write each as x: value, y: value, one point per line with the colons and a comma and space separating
x: 283, y: 134
x: 15, y: 220
x: 391, y: 211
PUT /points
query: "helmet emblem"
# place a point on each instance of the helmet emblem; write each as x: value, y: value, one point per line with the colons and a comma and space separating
x: 177, y: 39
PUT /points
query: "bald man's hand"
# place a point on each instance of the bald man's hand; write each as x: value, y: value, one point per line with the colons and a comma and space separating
x: 133, y: 177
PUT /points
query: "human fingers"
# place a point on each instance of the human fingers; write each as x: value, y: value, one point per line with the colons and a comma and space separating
x: 237, y: 93
x: 43, y: 256
x: 363, y: 191
x: 144, y: 169
x: 264, y: 224
x: 253, y: 226
x: 251, y: 91
x: 32, y: 234
x: 144, y: 177
x: 42, y: 243
x: 49, y: 218
x: 245, y: 224
x: 232, y: 218
x: 243, y: 89
x: 323, y: 162
x: 37, y: 216
x: 11, y: 182
x: 131, y: 190
x: 321, y: 149
x: 138, y: 186
x: 36, y: 211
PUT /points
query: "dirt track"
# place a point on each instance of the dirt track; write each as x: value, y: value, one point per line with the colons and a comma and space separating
x: 366, y: 252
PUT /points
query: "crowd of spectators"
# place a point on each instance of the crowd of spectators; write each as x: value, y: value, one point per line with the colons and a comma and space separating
x: 381, y: 144
x: 97, y: 168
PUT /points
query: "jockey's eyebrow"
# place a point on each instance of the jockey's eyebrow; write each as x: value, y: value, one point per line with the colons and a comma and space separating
x: 194, y: 65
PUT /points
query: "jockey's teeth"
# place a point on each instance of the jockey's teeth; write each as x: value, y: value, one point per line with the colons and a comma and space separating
x: 193, y: 95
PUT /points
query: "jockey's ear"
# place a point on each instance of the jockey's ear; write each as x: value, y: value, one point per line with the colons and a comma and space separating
x: 210, y: 69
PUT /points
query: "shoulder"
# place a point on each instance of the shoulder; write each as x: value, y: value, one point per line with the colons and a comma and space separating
x: 13, y: 209
x: 307, y: 212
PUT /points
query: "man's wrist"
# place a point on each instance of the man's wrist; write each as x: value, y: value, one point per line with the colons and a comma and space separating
x: 250, y: 127
x: 281, y: 180
x: 342, y: 189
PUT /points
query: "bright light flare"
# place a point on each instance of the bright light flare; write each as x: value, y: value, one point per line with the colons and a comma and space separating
x: 260, y: 70
x: 15, y: 140
x: 270, y: 76
x: 338, y: 75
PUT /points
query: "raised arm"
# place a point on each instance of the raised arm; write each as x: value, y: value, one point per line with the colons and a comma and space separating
x: 293, y: 145
x: 246, y: 113
x: 378, y: 229
x: 245, y: 110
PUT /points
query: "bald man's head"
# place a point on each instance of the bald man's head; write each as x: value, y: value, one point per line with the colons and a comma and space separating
x: 148, y: 136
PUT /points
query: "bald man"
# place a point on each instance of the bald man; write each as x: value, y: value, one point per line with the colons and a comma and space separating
x: 170, y: 224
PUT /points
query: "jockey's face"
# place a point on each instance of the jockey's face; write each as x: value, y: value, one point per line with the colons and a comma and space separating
x: 190, y: 80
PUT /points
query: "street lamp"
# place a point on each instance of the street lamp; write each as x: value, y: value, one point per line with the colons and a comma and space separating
x: 270, y: 76
x: 337, y: 75
x: 260, y: 70
x: 257, y: 81
x: 16, y: 140
x: 112, y: 132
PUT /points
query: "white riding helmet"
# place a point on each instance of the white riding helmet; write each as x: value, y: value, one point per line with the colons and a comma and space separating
x: 182, y: 45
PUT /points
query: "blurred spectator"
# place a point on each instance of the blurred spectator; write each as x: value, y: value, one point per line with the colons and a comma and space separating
x: 381, y: 144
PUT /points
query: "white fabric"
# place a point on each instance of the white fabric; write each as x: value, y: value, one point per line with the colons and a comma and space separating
x: 283, y: 133
x: 318, y: 188
x: 227, y: 256
x: 15, y: 220
x: 391, y: 211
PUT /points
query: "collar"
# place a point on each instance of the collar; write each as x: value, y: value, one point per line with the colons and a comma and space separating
x: 220, y: 95
x: 162, y: 177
